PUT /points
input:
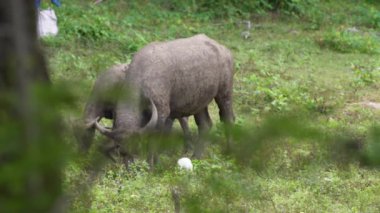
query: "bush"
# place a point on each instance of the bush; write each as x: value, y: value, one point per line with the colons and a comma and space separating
x: 349, y: 42
x: 88, y: 27
x: 364, y: 76
x: 296, y: 7
x: 232, y: 8
x: 272, y: 94
x: 368, y: 16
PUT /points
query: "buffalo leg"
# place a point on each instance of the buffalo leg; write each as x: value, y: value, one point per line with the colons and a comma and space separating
x: 226, y: 114
x: 108, y: 148
x: 185, y: 128
x: 84, y: 136
x: 186, y: 132
x: 127, y: 157
x: 164, y: 125
x: 86, y: 132
x: 204, y: 124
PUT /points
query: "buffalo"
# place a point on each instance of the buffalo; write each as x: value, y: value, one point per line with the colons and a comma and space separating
x: 102, y: 102
x: 171, y: 80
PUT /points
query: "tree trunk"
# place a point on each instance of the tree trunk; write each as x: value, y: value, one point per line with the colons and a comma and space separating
x: 30, y: 165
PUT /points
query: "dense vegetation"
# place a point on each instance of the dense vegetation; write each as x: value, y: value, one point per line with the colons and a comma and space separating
x: 307, y: 78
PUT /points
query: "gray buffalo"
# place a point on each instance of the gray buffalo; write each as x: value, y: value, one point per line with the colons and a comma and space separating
x: 171, y: 80
x: 102, y: 103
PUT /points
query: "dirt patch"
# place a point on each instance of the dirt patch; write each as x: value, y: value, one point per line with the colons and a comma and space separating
x: 368, y: 104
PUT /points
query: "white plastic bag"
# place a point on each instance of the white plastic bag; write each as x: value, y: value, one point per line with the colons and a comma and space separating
x: 185, y: 163
x: 47, y: 23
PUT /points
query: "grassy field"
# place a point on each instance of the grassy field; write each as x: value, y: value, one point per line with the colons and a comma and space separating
x: 306, y: 137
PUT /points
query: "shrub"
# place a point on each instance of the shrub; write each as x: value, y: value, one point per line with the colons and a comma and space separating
x: 363, y: 76
x: 231, y: 8
x: 296, y: 7
x: 368, y: 16
x: 348, y: 42
x: 272, y: 94
x: 88, y: 27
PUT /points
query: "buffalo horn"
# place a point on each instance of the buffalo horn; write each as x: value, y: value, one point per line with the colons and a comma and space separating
x: 153, y: 120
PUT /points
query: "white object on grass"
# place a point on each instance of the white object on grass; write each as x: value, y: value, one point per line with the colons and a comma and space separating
x: 47, y: 23
x: 185, y: 163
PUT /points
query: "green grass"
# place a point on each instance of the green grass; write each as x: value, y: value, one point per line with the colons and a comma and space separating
x: 304, y: 68
x: 345, y: 41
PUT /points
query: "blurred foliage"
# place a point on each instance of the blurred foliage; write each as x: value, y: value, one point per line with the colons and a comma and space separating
x: 235, y: 8
x: 368, y: 16
x: 372, y: 150
x: 351, y: 40
x: 32, y: 157
x: 273, y: 94
x: 32, y: 149
x: 365, y: 76
x: 302, y: 141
